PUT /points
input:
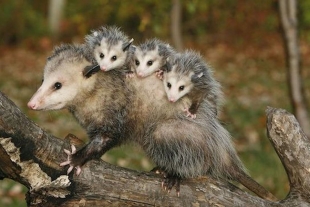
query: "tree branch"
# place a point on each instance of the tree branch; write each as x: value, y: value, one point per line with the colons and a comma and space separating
x: 31, y: 156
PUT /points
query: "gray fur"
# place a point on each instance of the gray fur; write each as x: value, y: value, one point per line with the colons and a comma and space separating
x: 164, y: 49
x: 112, y: 36
x: 153, y: 50
x: 191, y: 64
x: 115, y: 110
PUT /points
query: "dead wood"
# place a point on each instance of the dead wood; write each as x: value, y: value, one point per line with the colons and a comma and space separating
x: 31, y: 156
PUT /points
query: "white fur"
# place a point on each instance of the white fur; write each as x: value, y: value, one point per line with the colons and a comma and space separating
x: 106, y: 63
x: 47, y: 98
x: 143, y: 69
x: 174, y: 93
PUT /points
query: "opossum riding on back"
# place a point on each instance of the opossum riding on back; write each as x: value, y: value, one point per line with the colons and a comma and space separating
x: 186, y: 74
x: 111, y: 48
x: 150, y: 57
x: 114, y: 110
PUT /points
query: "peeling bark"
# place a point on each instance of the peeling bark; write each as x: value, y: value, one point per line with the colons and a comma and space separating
x: 31, y: 156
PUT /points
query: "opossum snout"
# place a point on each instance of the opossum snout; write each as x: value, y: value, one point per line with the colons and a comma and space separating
x: 32, y: 105
x: 103, y: 68
x: 140, y: 74
x: 172, y: 100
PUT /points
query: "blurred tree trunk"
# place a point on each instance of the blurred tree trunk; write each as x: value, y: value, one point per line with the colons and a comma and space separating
x: 55, y: 12
x: 176, y: 17
x: 289, y: 22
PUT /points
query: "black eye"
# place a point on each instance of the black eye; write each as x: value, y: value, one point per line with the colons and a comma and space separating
x: 137, y: 62
x: 168, y: 85
x: 101, y: 55
x: 57, y: 85
x: 149, y: 63
x: 113, y: 58
x: 181, y: 88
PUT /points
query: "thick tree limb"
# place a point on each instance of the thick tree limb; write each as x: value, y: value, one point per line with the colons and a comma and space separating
x: 293, y: 148
x: 31, y: 156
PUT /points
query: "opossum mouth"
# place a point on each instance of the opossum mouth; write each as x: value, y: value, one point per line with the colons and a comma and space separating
x: 55, y: 106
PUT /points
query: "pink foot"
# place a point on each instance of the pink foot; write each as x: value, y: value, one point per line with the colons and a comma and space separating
x: 68, y: 162
x: 160, y: 74
x: 189, y: 114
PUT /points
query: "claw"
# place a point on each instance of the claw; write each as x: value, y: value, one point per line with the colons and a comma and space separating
x: 64, y: 163
x: 67, y: 152
x: 78, y: 170
x: 130, y: 75
x: 69, y: 169
x: 73, y: 149
x: 171, y: 181
x: 159, y: 74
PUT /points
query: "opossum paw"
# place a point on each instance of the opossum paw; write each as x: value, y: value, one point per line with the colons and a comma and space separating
x: 130, y: 74
x: 170, y: 181
x: 160, y: 74
x: 158, y: 170
x: 189, y: 114
x: 69, y: 161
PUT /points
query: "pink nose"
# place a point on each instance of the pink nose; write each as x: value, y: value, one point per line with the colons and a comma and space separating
x: 103, y: 68
x: 32, y: 105
x: 171, y: 99
x: 140, y: 74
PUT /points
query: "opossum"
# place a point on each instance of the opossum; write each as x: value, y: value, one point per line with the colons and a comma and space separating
x: 114, y: 110
x: 111, y: 48
x: 150, y: 57
x: 186, y: 74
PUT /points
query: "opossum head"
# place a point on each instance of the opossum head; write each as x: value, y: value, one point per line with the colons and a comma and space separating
x: 146, y: 63
x: 183, y: 72
x: 110, y: 47
x: 62, y: 79
x: 177, y: 85
x: 151, y: 56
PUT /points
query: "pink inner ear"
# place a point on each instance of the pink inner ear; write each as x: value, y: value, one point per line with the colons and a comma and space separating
x: 200, y: 75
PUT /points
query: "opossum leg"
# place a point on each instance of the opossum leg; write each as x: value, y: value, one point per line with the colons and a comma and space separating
x: 93, y: 150
x: 189, y: 114
x: 170, y: 181
x: 192, y: 110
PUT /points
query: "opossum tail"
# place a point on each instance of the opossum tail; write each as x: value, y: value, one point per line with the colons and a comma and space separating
x: 254, y: 186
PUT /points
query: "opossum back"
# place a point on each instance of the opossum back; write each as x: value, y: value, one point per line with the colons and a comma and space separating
x: 181, y: 145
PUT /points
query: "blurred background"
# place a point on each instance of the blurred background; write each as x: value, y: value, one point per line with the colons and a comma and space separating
x: 242, y: 40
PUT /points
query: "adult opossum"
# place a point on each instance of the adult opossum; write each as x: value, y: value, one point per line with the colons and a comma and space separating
x: 114, y: 110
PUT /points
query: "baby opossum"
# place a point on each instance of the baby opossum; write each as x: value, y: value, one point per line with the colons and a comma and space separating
x: 114, y: 110
x: 150, y: 57
x: 111, y: 48
x: 186, y: 74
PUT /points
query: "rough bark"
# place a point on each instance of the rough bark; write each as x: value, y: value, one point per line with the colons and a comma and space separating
x: 289, y: 22
x: 31, y: 156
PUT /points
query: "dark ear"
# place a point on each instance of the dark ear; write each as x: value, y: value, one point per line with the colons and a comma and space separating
x: 196, y: 77
x: 127, y: 45
x: 167, y: 67
x: 90, y: 70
